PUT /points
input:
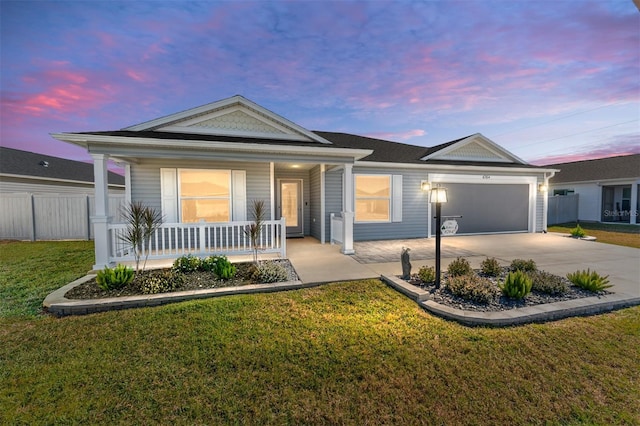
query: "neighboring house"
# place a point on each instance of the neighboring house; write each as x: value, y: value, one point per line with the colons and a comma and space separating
x: 23, y: 171
x: 607, y: 188
x: 203, y: 167
x: 49, y: 198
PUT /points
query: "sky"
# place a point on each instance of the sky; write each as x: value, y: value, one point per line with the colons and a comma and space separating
x: 550, y: 81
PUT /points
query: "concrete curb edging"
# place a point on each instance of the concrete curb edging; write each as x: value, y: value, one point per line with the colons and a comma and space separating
x: 517, y: 316
x: 56, y: 304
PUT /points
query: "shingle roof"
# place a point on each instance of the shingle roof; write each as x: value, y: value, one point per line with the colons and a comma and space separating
x: 25, y: 163
x: 621, y: 167
x: 384, y: 151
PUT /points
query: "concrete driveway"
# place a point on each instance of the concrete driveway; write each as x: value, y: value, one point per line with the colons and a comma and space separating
x: 554, y: 253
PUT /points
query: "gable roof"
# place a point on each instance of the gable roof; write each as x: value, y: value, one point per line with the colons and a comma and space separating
x: 18, y: 163
x: 620, y: 167
x: 237, y: 126
x: 234, y: 116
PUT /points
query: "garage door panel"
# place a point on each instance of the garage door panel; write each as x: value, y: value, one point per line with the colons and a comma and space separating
x: 487, y: 208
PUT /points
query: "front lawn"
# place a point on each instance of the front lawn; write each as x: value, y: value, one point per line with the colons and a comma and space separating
x: 622, y: 235
x: 344, y: 353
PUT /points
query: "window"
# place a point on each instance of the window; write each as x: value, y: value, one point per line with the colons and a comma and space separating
x: 563, y: 192
x: 194, y: 195
x: 373, y: 198
x: 205, y: 195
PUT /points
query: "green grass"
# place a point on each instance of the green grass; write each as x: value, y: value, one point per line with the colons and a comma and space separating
x: 343, y: 353
x: 31, y: 270
x: 609, y: 233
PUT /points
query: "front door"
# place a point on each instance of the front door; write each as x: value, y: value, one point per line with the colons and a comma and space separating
x: 291, y: 205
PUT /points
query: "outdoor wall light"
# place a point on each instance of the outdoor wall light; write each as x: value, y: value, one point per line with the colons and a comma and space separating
x: 425, y: 186
x: 543, y: 188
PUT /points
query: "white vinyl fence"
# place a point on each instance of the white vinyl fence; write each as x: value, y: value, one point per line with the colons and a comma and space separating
x: 562, y: 209
x: 25, y: 216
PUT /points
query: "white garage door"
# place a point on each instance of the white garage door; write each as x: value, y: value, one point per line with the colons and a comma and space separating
x: 487, y: 208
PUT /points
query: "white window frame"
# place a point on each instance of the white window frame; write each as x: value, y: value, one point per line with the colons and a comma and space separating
x: 389, y: 198
x: 172, y: 198
x: 229, y: 197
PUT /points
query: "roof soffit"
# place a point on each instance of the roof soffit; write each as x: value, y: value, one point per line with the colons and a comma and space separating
x: 475, y: 148
x: 235, y: 116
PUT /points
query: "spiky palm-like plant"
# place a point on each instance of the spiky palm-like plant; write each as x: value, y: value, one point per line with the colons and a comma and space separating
x: 142, y: 222
x: 254, y: 229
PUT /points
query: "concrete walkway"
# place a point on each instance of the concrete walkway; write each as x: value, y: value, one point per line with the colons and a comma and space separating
x: 553, y: 253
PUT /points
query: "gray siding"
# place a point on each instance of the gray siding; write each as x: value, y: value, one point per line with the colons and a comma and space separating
x: 414, y: 209
x: 306, y: 197
x: 145, y: 179
x: 315, y: 202
x: 332, y: 198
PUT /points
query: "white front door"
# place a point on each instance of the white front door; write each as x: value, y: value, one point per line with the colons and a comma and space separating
x: 291, y: 205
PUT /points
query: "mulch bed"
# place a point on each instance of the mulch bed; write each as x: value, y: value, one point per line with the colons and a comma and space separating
x: 501, y: 303
x: 197, y: 280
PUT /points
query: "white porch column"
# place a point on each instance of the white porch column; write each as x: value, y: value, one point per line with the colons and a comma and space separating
x: 323, y: 225
x: 127, y: 183
x: 633, y: 219
x: 272, y: 186
x: 347, y: 209
x: 101, y: 218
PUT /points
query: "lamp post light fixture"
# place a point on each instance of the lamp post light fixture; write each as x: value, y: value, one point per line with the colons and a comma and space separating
x: 438, y: 196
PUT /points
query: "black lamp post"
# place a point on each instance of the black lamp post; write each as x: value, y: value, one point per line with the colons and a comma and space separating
x: 438, y: 196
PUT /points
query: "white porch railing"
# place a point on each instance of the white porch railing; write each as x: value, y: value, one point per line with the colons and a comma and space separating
x: 336, y: 229
x: 173, y: 240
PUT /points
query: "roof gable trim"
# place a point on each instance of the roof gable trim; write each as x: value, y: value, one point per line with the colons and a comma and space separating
x: 235, y: 116
x: 474, y: 148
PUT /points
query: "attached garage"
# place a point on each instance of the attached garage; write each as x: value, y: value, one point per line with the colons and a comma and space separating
x: 487, y: 208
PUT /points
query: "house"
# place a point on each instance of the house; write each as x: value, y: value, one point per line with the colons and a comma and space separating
x: 606, y: 188
x: 202, y: 168
x: 23, y: 171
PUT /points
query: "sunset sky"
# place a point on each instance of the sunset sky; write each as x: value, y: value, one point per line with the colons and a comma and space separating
x: 551, y: 81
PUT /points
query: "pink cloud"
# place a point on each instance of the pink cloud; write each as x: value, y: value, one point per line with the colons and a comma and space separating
x: 620, y: 145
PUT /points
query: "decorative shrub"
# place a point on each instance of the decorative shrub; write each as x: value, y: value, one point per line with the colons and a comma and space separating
x: 427, y: 274
x: 458, y: 267
x: 517, y: 285
x: 472, y: 287
x: 115, y: 278
x: 160, y: 281
x: 490, y: 266
x: 577, y: 232
x: 590, y: 281
x: 523, y: 265
x: 223, y: 268
x: 188, y: 263
x: 270, y: 272
x: 547, y: 283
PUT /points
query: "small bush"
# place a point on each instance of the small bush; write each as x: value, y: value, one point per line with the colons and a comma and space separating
x: 427, y: 274
x: 545, y: 282
x: 490, y: 266
x: 188, y: 263
x: 577, y: 232
x: 590, y: 281
x: 517, y: 285
x: 224, y: 269
x: 115, y: 278
x: 270, y: 272
x: 458, y: 267
x: 523, y: 265
x: 160, y: 281
x: 472, y: 287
